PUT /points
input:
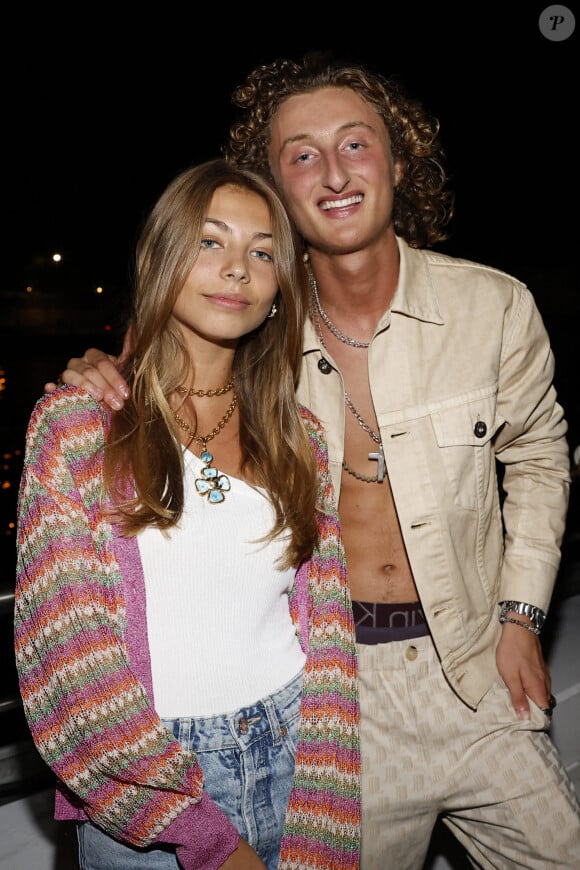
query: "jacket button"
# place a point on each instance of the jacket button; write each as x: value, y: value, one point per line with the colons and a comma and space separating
x: 324, y: 366
x: 479, y: 429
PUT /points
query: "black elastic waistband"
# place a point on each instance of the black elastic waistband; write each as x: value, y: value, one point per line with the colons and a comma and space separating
x: 377, y: 622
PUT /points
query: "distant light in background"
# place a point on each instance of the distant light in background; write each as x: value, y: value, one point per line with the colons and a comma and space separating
x: 6, y: 483
x: 10, y: 471
x: 56, y: 258
x: 29, y: 289
x: 99, y: 290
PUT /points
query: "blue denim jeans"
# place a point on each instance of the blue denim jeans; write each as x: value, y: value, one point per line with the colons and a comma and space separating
x: 247, y: 758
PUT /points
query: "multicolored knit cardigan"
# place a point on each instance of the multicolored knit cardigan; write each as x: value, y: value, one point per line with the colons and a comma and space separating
x: 85, y: 674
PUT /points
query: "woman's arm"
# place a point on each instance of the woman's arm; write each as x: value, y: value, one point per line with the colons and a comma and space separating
x: 89, y: 714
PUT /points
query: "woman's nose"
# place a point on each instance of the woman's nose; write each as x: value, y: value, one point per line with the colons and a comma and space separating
x: 237, y: 271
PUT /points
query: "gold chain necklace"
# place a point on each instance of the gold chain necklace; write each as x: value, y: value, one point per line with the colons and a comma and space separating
x: 211, y: 483
x: 219, y: 391
x: 379, y: 454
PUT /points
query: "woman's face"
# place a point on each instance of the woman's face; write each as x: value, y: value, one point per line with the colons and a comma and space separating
x: 232, y: 285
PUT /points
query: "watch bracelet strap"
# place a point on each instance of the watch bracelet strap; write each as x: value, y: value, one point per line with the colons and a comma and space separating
x: 522, y: 608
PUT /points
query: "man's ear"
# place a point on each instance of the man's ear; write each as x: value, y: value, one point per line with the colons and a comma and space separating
x: 399, y: 171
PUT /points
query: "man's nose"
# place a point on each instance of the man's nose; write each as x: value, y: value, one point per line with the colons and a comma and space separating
x: 336, y: 176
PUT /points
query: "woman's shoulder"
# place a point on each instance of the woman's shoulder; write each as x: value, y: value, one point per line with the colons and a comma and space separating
x: 69, y: 413
x: 67, y: 399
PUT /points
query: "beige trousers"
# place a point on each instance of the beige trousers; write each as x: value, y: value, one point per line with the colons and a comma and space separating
x: 497, y: 782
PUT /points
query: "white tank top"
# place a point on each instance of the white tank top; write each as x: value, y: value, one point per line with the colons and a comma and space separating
x: 220, y: 632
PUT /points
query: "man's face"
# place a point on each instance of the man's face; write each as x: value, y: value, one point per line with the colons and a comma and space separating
x: 330, y: 156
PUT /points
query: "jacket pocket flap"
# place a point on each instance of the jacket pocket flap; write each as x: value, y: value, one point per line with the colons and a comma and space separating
x: 469, y: 420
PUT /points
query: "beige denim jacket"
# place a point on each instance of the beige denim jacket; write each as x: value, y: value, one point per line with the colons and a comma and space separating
x: 461, y: 375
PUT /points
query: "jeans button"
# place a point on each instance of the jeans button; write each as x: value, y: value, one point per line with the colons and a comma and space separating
x: 283, y: 731
x: 243, y: 726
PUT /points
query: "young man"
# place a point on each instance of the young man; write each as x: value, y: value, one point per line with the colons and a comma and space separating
x: 425, y: 370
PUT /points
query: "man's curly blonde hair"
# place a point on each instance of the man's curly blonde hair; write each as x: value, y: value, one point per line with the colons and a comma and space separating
x: 422, y: 205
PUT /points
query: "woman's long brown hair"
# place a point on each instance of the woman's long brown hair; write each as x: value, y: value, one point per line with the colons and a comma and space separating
x: 144, y: 458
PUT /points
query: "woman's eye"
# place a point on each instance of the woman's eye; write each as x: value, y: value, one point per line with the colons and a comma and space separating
x: 263, y: 255
x: 208, y: 243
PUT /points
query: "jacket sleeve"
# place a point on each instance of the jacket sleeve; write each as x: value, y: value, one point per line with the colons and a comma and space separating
x: 90, y: 717
x: 533, y: 450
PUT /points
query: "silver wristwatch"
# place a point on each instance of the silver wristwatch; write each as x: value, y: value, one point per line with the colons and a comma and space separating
x: 534, y: 613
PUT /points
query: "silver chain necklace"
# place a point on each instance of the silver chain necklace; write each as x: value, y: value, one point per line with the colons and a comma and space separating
x: 376, y: 438
x: 379, y: 454
x: 352, y: 342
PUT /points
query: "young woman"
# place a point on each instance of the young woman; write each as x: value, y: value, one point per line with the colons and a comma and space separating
x: 183, y: 627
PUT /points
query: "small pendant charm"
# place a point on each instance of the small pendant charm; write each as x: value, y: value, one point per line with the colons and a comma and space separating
x: 380, y: 457
x: 211, y: 483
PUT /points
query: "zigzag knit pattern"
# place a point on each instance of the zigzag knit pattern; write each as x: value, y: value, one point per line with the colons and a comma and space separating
x: 323, y: 818
x: 88, y: 711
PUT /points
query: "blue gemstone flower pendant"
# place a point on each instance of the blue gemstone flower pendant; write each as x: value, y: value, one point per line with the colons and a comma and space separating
x: 211, y: 483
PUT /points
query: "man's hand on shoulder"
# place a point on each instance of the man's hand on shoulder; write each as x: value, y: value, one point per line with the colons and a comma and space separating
x: 97, y: 373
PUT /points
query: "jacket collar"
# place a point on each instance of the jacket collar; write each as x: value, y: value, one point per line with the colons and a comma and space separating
x: 415, y: 296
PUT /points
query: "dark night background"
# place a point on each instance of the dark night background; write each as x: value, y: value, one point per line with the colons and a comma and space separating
x: 97, y: 121
x: 99, y: 112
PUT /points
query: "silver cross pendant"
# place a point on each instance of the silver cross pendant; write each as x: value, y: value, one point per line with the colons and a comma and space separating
x: 380, y: 457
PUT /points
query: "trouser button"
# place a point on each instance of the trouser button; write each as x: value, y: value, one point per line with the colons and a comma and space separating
x: 411, y: 653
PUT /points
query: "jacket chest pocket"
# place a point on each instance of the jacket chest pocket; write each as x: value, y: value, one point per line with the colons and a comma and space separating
x: 464, y: 430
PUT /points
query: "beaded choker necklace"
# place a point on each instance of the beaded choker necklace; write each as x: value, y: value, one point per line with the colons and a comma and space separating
x: 211, y: 483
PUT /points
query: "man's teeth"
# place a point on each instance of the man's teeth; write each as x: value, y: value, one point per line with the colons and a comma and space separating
x: 340, y: 203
